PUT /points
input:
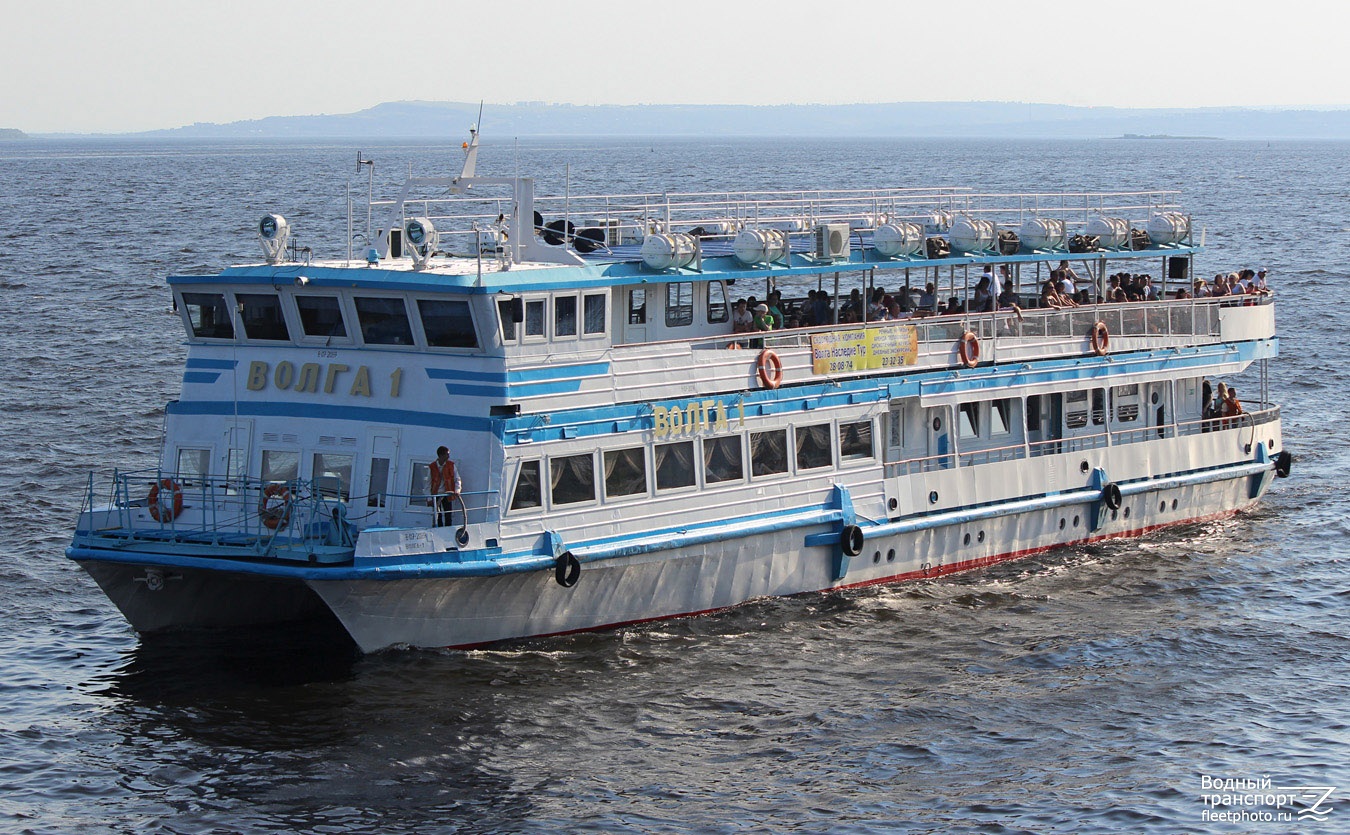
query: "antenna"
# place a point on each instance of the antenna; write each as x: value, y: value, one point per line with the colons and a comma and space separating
x: 370, y: 188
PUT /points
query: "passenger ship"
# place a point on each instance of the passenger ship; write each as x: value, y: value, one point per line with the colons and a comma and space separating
x: 624, y: 455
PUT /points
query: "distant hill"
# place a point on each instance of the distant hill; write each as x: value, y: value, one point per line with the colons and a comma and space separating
x: 12, y: 133
x: 905, y: 119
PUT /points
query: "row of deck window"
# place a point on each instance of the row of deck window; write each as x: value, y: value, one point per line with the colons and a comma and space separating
x: 680, y: 465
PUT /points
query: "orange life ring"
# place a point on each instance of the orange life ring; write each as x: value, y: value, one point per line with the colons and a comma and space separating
x: 770, y: 369
x: 969, y: 349
x: 165, y: 508
x: 1101, y: 339
x: 274, y: 508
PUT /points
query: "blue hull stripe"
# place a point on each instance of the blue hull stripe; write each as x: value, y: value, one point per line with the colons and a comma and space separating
x: 223, y: 365
x: 201, y: 376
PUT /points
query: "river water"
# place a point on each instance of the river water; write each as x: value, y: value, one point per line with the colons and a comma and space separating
x: 1094, y: 689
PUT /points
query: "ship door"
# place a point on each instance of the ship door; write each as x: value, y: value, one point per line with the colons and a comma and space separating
x: 1159, y: 412
x: 381, y: 473
x: 239, y: 439
x: 635, y: 325
x: 938, y: 420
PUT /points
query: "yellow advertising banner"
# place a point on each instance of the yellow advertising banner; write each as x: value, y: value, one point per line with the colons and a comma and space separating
x: 868, y: 349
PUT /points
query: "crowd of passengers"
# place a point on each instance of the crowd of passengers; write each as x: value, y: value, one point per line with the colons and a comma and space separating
x: 994, y: 291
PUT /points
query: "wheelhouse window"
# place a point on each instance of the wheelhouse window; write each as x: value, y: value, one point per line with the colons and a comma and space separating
x: 768, y: 453
x: 625, y: 472
x: 208, y: 315
x: 855, y: 441
x: 527, y: 494
x: 717, y: 302
x: 722, y: 459
x: 447, y: 323
x: 383, y: 321
x: 813, y: 447
x: 534, y: 318
x: 593, y: 314
x: 280, y: 465
x: 261, y: 316
x: 675, y: 465
x: 320, y: 316
x: 333, y: 475
x: 679, y: 304
x: 193, y: 465
x: 572, y: 479
x: 564, y: 316
x: 506, y: 313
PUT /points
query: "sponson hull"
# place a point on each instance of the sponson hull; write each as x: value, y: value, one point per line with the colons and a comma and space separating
x: 627, y: 455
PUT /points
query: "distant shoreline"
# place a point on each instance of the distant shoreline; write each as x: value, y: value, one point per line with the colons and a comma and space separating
x: 1169, y: 136
x: 11, y: 134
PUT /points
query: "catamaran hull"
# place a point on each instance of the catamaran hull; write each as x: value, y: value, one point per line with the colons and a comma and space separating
x: 461, y: 612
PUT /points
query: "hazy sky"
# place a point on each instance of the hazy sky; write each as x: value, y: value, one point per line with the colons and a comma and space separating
x: 144, y: 64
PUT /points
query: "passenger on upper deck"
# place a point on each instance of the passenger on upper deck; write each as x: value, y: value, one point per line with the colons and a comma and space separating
x: 928, y: 298
x: 742, y: 320
x: 763, y: 319
x: 775, y: 302
x: 1201, y: 288
x: 876, y: 311
x: 983, y: 300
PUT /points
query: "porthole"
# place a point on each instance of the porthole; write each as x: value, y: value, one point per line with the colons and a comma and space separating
x: 937, y: 424
x: 1115, y: 514
x: 1174, y: 504
x: 893, y: 504
x: 890, y: 555
x: 1155, y: 398
x: 1162, y: 506
x: 1062, y: 522
x: 1084, y: 466
x: 1075, y: 521
x: 1127, y: 513
x: 876, y: 558
x: 933, y: 497
x: 979, y: 537
x: 967, y: 539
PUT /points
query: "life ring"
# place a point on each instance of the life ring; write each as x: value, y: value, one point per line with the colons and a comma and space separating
x: 851, y: 540
x: 165, y: 500
x: 1101, y: 339
x: 969, y: 349
x: 567, y: 569
x: 274, y: 508
x: 770, y: 369
x: 1112, y: 496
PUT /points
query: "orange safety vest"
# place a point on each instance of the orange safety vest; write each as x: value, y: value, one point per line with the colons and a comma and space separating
x: 444, y: 479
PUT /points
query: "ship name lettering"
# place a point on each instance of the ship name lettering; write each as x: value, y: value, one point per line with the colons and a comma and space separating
x: 694, y: 418
x: 286, y: 377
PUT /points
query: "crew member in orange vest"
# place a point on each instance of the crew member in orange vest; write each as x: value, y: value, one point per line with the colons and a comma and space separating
x: 444, y: 485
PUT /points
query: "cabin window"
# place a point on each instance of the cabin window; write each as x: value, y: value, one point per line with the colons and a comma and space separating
x: 506, y: 314
x: 383, y: 321
x: 379, y: 482
x: 1099, y: 406
x: 209, y: 315
x: 768, y: 453
x: 447, y: 323
x: 675, y: 465
x: 717, y: 302
x: 637, y: 307
x: 593, y: 314
x: 564, y: 316
x: 855, y: 441
x: 534, y: 318
x: 527, y: 494
x: 572, y: 479
x: 260, y: 314
x: 1075, y: 410
x: 968, y: 420
x: 1126, y: 400
x: 1000, y: 418
x: 1034, y: 413
x: 813, y: 447
x: 625, y: 472
x: 679, y: 304
x: 193, y: 465
x: 320, y: 316
x: 722, y: 459
x: 280, y: 465
x: 333, y: 475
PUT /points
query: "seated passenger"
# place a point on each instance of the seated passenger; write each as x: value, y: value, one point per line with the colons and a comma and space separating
x: 763, y: 319
x: 928, y: 298
x: 742, y: 320
x: 854, y: 305
x: 1008, y: 298
x: 983, y: 300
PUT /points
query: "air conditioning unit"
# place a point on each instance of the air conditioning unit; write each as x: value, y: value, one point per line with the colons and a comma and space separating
x: 832, y: 241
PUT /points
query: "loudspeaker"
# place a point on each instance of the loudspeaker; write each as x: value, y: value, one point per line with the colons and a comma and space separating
x: 1176, y: 267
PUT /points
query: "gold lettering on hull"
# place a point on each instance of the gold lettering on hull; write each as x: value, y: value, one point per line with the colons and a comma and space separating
x: 305, y: 380
x: 695, y: 418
